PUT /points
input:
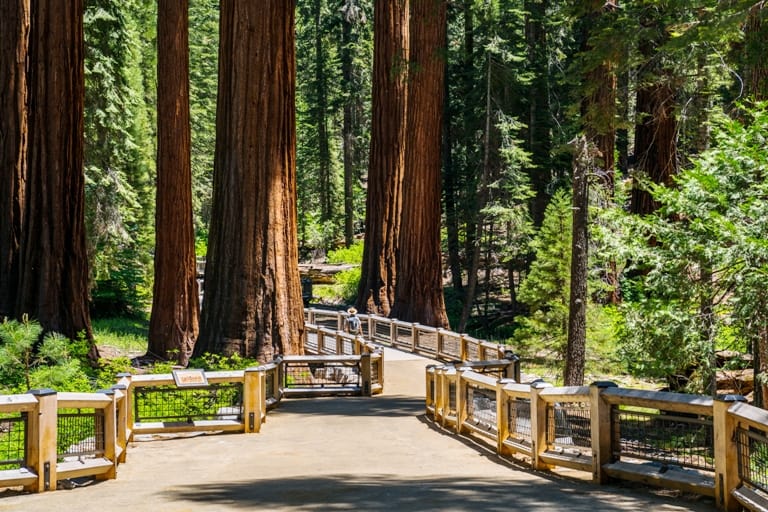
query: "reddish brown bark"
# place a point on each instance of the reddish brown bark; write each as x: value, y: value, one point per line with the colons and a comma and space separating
x: 252, y: 304
x: 173, y: 325
x: 53, y: 276
x: 14, y: 40
x: 757, y: 58
x: 419, y: 290
x: 376, y: 291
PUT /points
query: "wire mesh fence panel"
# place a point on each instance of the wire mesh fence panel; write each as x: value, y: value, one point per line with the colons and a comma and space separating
x: 327, y: 374
x: 520, y: 420
x: 451, y: 399
x: 269, y: 384
x: 481, y: 408
x: 311, y: 344
x: 347, y: 346
x: 382, y: 331
x: 216, y: 402
x: 668, y: 438
x: 473, y: 350
x: 13, y: 428
x: 451, y: 346
x: 427, y: 341
x: 328, y: 345
x: 404, y: 336
x: 80, y: 433
x: 569, y: 425
x: 752, y: 453
x: 376, y: 371
x: 327, y: 319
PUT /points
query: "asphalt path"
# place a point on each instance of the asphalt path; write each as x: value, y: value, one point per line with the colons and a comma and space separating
x: 332, y: 454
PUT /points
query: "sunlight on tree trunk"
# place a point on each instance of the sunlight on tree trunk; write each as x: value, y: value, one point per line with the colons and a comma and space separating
x: 173, y: 325
x: 252, y: 304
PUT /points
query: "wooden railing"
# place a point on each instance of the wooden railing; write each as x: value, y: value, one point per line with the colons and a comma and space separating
x: 714, y: 447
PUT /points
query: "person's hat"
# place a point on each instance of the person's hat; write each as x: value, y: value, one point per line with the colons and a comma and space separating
x: 352, y: 311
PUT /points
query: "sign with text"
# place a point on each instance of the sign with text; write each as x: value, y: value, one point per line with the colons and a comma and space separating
x: 190, y: 378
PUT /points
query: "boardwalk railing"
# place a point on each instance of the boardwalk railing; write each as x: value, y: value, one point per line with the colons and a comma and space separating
x: 714, y: 447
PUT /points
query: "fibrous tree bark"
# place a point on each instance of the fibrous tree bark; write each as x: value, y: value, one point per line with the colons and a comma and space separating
x: 14, y: 40
x: 376, y: 291
x: 656, y: 128
x: 419, y: 289
x: 173, y: 325
x: 53, y: 267
x: 756, y: 36
x: 252, y: 304
x: 575, y: 351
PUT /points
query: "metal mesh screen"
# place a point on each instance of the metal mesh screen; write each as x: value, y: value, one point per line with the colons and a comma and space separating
x: 404, y: 336
x: 381, y: 332
x: 481, y: 408
x: 752, y: 452
x: 332, y: 374
x: 427, y: 341
x: 12, y: 440
x: 451, y: 346
x: 269, y: 384
x: 328, y: 319
x: 520, y: 420
x: 328, y: 345
x: 80, y: 433
x: 376, y: 371
x: 451, y: 399
x: 667, y: 438
x: 473, y: 353
x: 311, y: 344
x: 215, y: 402
x: 568, y: 425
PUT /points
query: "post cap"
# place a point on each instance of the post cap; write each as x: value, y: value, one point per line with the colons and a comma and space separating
x: 41, y: 392
x: 731, y: 397
x: 604, y: 384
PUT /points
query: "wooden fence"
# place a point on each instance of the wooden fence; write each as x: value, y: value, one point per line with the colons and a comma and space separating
x: 714, y: 447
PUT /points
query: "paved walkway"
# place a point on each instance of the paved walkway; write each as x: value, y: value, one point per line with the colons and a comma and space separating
x: 362, y: 454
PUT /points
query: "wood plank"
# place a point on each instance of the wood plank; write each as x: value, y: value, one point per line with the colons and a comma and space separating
x: 754, y: 415
x: 14, y: 477
x: 565, y: 394
x: 662, y: 400
x: 751, y: 499
x: 168, y: 427
x: 673, y: 478
x: 573, y: 461
x: 85, y: 467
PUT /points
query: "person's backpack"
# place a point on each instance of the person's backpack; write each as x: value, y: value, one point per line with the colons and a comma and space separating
x: 353, y: 324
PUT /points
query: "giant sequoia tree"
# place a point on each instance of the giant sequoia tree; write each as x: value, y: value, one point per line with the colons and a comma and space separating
x: 376, y: 291
x: 53, y: 275
x: 419, y: 288
x: 173, y: 326
x: 14, y: 34
x: 252, y: 304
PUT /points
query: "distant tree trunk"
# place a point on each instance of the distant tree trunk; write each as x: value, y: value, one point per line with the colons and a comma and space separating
x: 757, y: 57
x: 253, y: 304
x: 539, y: 139
x: 419, y: 290
x: 656, y: 129
x: 599, y: 121
x: 53, y: 269
x: 347, y: 131
x: 482, y: 200
x: 14, y: 41
x: 575, y: 352
x: 173, y: 325
x: 376, y: 292
x: 324, y: 179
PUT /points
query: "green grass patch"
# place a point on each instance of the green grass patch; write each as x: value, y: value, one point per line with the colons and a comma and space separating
x: 126, y: 335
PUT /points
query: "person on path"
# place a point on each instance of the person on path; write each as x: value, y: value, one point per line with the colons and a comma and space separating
x: 352, y: 323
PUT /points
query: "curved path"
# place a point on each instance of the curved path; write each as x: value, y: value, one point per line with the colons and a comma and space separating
x: 363, y: 454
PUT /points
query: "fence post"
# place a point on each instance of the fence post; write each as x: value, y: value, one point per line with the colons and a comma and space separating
x: 462, y: 347
x: 431, y: 390
x: 365, y: 373
x: 41, y: 440
x: 339, y: 343
x: 539, y: 411
x: 121, y: 421
x: 392, y: 333
x: 461, y: 401
x: 414, y: 337
x: 726, y: 462
x: 502, y: 415
x: 440, y: 342
x: 125, y: 379
x: 600, y: 424
x: 254, y: 396
x: 110, y: 435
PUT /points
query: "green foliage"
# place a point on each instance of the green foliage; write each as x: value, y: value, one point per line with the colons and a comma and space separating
x: 351, y: 255
x: 218, y: 362
x: 127, y: 334
x: 119, y: 157
x: 545, y: 290
x: 49, y: 365
x: 707, y: 267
